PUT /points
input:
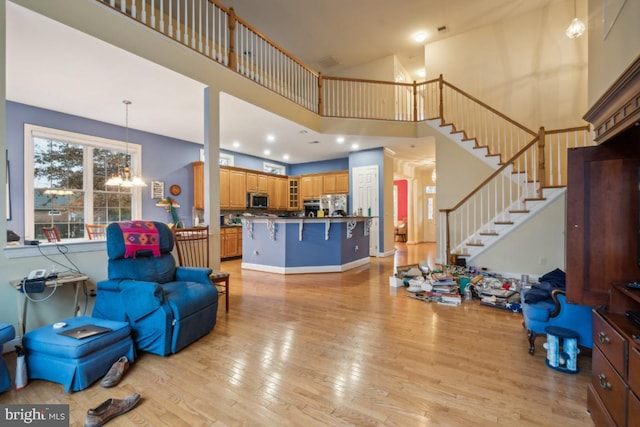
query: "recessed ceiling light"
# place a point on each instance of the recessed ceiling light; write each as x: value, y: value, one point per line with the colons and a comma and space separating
x: 354, y: 146
x: 236, y: 144
x: 271, y: 138
x: 285, y: 156
x: 422, y: 72
x: 420, y: 37
x: 267, y: 152
x: 340, y: 139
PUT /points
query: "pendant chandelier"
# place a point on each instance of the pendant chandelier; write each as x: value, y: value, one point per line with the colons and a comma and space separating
x: 577, y: 27
x: 125, y: 178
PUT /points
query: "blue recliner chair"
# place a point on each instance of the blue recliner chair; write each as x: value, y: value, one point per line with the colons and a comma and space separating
x: 168, y: 307
x: 7, y: 333
x: 557, y: 312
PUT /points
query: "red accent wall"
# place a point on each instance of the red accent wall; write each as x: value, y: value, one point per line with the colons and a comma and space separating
x: 402, y: 198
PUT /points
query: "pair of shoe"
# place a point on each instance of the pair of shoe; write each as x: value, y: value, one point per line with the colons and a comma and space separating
x: 109, y: 409
x: 115, y: 373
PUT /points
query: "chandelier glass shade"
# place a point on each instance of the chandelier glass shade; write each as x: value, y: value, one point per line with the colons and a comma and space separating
x: 577, y: 27
x: 125, y: 178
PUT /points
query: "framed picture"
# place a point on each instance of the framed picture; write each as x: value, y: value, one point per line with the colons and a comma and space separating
x: 157, y: 189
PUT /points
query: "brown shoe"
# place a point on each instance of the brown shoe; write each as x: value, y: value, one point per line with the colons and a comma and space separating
x: 110, y: 408
x: 115, y: 373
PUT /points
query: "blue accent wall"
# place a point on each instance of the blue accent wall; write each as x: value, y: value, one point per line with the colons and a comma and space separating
x: 320, y: 167
x: 163, y: 158
x: 241, y: 160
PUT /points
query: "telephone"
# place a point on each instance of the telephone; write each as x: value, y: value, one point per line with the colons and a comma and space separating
x: 37, y: 274
x: 34, y: 282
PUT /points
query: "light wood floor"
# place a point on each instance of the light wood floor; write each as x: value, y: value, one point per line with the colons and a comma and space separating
x: 342, y: 349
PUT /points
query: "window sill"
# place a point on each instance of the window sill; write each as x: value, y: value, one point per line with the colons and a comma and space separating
x: 26, y: 251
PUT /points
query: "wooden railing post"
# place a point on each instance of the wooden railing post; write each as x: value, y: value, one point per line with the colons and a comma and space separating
x: 415, y: 101
x: 441, y: 106
x: 320, y: 100
x: 447, y: 243
x: 232, y: 38
x: 542, y: 177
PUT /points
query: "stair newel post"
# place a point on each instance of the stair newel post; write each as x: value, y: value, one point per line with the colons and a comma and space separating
x: 540, y: 172
x: 320, y: 100
x: 447, y: 243
x: 441, y: 106
x: 415, y: 101
x: 232, y: 38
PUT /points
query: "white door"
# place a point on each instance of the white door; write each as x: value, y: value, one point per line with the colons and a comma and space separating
x: 366, y: 196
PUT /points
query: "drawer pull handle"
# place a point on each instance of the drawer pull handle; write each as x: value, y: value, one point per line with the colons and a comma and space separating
x: 604, y: 384
x: 603, y: 338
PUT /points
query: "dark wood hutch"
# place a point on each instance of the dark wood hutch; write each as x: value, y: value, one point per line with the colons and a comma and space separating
x: 603, y: 235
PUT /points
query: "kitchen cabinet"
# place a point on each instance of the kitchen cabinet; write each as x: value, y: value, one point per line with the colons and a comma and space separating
x: 233, y: 189
x: 294, y: 194
x: 230, y: 242
x: 311, y: 186
x: 336, y: 183
x: 224, y: 189
x: 278, y: 192
x: 237, y: 189
x: 198, y: 185
x: 256, y: 183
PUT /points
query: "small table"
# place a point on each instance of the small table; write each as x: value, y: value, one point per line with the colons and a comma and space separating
x: 75, y: 279
x: 562, y: 349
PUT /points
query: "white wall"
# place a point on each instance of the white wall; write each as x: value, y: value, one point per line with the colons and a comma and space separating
x: 535, y: 247
x: 525, y: 67
x: 610, y: 56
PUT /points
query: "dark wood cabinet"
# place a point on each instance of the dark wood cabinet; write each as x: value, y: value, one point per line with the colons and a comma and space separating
x: 602, y: 238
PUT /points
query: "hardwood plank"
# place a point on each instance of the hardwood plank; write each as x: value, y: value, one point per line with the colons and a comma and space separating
x: 342, y: 349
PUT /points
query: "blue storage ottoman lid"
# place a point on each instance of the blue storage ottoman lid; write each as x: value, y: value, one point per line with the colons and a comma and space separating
x: 47, y: 340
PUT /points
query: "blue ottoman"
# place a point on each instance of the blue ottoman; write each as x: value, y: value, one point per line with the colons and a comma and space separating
x: 76, y: 363
x: 7, y: 333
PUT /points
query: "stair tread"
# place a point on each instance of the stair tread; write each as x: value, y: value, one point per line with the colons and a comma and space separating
x: 519, y: 211
x: 474, y: 244
x: 503, y: 222
x: 489, y: 233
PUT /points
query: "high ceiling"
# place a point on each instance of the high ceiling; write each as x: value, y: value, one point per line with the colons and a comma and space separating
x: 53, y: 66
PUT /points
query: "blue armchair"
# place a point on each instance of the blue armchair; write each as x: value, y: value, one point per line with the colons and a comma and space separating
x: 556, y: 312
x: 168, y: 307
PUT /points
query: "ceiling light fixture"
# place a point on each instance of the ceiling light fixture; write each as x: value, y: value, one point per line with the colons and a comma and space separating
x: 420, y: 37
x: 354, y: 146
x: 577, y: 27
x: 125, y: 178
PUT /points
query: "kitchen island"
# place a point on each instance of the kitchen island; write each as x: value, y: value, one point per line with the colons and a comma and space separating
x: 305, y: 245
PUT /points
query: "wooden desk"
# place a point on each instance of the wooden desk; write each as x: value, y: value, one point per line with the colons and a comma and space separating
x: 64, y: 279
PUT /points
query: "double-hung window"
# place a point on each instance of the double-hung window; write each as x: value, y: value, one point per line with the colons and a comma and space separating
x: 65, y: 176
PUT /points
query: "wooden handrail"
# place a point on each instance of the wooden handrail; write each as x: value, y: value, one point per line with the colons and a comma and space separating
x: 384, y: 82
x: 488, y: 107
x: 493, y: 175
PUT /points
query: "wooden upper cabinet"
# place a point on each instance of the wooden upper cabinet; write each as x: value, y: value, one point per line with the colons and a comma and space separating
x: 224, y: 188
x: 198, y: 185
x: 278, y: 192
x: 294, y: 194
x: 237, y: 189
x: 311, y: 186
x: 256, y: 183
x: 336, y: 183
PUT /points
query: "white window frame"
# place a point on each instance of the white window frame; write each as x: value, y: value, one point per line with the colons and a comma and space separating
x: 229, y: 159
x: 270, y: 167
x: 31, y: 131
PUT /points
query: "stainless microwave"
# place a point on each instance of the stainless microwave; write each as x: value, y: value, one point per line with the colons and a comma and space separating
x: 257, y: 200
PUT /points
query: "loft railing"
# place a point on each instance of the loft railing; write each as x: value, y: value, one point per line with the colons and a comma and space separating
x: 529, y: 161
